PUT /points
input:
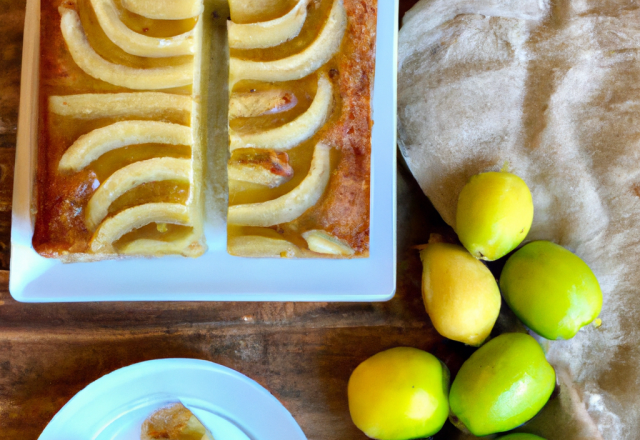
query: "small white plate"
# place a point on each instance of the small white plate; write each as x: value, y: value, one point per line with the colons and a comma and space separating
x: 233, y: 406
x: 216, y: 276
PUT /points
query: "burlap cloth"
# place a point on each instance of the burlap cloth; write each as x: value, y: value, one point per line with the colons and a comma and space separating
x: 554, y: 89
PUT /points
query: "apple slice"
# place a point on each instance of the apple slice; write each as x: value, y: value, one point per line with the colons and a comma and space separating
x: 291, y: 205
x: 295, y: 132
x: 258, y: 103
x: 264, y: 247
x: 165, y: 9
x: 114, y: 105
x: 187, y: 247
x: 250, y: 11
x: 264, y: 167
x: 301, y: 64
x: 324, y: 243
x: 135, y: 43
x: 133, y: 218
x: 132, y: 78
x: 94, y: 144
x: 268, y: 33
x: 127, y: 178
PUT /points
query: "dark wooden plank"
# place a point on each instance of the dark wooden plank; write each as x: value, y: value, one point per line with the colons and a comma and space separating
x: 12, y: 13
x: 7, y: 161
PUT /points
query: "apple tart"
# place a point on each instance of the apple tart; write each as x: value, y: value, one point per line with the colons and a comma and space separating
x: 120, y: 146
x: 121, y: 136
x: 300, y: 80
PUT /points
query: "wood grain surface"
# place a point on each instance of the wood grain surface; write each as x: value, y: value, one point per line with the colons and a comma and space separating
x: 302, y: 352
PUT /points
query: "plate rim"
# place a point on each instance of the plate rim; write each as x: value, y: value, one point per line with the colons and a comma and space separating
x: 161, y: 365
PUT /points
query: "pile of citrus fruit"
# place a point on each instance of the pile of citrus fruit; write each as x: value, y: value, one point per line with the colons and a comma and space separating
x: 405, y: 393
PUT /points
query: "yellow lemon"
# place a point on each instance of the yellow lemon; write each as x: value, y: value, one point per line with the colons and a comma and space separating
x: 459, y: 292
x: 399, y: 394
x: 495, y: 212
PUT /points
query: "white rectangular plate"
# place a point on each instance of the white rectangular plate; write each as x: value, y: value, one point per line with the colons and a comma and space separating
x: 216, y: 276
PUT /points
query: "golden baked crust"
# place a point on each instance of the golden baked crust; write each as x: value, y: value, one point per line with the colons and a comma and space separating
x: 75, y: 104
x: 342, y: 213
x: 345, y: 210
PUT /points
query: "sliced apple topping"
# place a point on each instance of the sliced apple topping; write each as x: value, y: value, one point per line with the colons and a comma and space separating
x: 295, y: 132
x: 165, y: 9
x: 301, y: 64
x: 265, y: 247
x: 135, y: 43
x: 187, y: 247
x: 291, y: 205
x: 268, y: 33
x: 115, y: 105
x: 264, y: 167
x: 94, y: 144
x: 324, y: 243
x: 248, y: 11
x: 132, y: 78
x: 258, y: 103
x: 133, y: 218
x: 127, y: 178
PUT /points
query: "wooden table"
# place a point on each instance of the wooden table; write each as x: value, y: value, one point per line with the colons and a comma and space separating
x: 302, y: 352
